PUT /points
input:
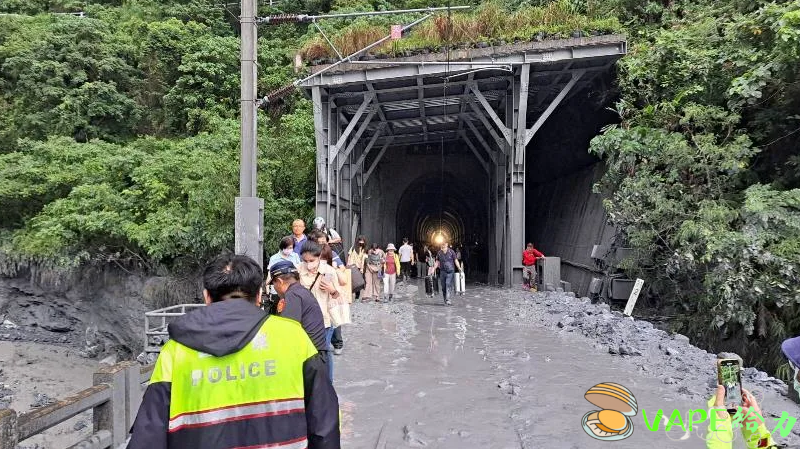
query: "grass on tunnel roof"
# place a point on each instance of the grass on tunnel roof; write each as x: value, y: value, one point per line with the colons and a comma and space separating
x: 489, y: 24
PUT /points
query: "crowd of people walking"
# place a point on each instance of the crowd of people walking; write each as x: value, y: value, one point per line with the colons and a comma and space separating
x: 241, y: 372
x: 309, y: 280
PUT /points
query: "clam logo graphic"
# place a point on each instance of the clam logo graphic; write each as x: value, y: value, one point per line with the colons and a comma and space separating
x: 613, y: 421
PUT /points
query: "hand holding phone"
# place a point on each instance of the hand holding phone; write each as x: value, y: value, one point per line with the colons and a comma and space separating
x: 729, y: 376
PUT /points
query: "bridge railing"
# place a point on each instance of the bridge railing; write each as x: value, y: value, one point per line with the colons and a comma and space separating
x: 114, y: 400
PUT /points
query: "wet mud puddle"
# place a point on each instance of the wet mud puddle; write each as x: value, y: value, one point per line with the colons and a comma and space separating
x: 415, y: 373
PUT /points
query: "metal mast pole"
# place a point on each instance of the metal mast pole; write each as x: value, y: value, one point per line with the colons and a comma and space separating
x: 249, y: 208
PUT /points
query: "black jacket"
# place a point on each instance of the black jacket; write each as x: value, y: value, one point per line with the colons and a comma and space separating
x: 301, y: 306
x: 224, y: 328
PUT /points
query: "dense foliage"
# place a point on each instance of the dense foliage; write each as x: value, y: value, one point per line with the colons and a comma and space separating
x: 120, y: 133
x: 119, y: 137
x: 703, y: 176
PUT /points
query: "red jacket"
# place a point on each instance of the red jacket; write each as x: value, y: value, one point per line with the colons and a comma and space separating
x: 529, y: 257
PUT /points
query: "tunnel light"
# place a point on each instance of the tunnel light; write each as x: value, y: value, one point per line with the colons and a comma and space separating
x: 438, y: 238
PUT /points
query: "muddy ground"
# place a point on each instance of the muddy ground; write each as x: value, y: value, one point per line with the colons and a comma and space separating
x: 508, y: 369
x: 498, y: 369
x: 34, y: 375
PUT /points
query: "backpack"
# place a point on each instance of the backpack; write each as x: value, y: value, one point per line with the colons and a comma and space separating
x: 374, y: 259
x: 337, y: 247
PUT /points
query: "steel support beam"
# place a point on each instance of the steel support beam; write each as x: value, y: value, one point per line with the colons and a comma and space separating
x: 321, y: 111
x: 378, y: 104
x: 343, y: 155
x: 420, y: 98
x: 477, y: 154
x: 482, y: 117
x: 547, y: 53
x: 483, y: 142
x: 514, y: 241
x: 365, y: 150
x: 521, y: 124
x: 375, y: 162
x: 350, y: 126
x: 529, y: 133
x: 490, y: 110
x: 483, y: 81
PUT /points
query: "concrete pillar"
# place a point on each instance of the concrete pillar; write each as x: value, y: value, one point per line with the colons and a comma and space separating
x: 8, y: 429
x: 112, y: 415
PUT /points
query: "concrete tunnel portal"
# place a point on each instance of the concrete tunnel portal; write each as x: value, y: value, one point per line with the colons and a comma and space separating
x: 488, y: 150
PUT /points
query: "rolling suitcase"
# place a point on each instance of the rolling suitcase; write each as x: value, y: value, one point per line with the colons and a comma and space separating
x: 429, y: 285
x: 459, y: 280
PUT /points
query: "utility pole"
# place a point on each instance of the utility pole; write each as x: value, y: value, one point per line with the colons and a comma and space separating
x: 249, y: 208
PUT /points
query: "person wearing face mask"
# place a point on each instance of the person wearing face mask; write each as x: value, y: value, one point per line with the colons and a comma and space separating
x: 323, y: 282
x: 357, y: 255
x: 285, y: 252
x: 721, y: 435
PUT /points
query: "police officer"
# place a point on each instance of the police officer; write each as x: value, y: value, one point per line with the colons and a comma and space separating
x: 232, y: 376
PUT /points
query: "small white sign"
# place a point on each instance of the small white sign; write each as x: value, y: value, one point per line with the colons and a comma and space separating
x: 637, y: 288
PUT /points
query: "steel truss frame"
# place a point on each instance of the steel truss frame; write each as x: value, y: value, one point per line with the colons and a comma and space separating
x: 359, y: 110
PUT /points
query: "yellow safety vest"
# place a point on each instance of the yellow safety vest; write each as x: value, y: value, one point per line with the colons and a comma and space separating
x: 251, y: 398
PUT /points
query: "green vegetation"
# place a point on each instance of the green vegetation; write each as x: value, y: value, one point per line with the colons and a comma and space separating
x: 119, y: 138
x: 120, y: 134
x: 489, y: 24
x: 704, y: 170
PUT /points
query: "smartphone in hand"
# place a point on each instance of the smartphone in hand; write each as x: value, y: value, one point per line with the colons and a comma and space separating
x: 729, y: 375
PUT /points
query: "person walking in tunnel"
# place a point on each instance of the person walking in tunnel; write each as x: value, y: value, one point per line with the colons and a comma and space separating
x: 391, y: 268
x: 332, y: 258
x: 328, y: 253
x: 375, y: 260
x: 334, y: 239
x: 285, y: 252
x: 529, y: 257
x: 322, y: 280
x: 406, y: 253
x: 430, y: 279
x: 459, y: 278
x: 447, y: 263
x: 298, y: 234
x: 357, y: 255
x: 198, y: 397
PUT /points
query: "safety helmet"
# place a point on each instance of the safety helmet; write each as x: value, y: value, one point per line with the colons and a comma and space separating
x: 319, y: 223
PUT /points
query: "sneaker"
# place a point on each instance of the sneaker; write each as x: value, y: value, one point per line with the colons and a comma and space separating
x: 337, y: 351
x: 447, y: 302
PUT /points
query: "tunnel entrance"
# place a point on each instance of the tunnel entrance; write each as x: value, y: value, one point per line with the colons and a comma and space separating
x: 408, y: 147
x: 451, y: 207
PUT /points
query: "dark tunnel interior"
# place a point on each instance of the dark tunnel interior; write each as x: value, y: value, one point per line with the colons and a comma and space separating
x: 457, y: 209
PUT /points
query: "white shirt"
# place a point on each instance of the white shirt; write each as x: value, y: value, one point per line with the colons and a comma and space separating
x: 405, y: 253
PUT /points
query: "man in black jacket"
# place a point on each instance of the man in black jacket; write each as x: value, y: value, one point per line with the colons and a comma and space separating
x: 297, y: 302
x: 232, y: 376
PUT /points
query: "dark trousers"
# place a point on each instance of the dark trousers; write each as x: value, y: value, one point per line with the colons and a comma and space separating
x: 447, y: 284
x: 405, y: 269
x: 336, y: 339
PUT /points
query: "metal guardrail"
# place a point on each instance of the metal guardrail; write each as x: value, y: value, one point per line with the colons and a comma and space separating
x: 114, y: 400
x: 159, y: 317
